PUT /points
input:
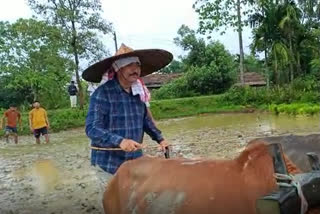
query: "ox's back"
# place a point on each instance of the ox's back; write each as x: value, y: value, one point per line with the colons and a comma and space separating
x: 154, y: 186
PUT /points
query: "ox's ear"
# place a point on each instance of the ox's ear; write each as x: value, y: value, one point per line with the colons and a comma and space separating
x: 279, y: 163
x: 314, y: 161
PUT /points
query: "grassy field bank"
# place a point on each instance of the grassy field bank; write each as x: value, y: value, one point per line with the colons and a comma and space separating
x: 62, y: 119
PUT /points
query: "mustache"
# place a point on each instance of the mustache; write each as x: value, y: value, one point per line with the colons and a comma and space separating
x: 134, y: 73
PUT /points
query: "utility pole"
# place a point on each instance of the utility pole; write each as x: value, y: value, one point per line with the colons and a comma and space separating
x: 115, y: 40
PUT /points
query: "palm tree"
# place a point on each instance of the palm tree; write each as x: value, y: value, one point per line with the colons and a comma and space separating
x: 267, y: 36
x: 291, y: 28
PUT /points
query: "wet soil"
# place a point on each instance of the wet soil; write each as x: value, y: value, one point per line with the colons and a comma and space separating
x: 57, y: 177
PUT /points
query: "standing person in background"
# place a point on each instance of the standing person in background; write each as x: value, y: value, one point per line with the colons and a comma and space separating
x: 12, y: 115
x: 38, y: 122
x: 72, y: 90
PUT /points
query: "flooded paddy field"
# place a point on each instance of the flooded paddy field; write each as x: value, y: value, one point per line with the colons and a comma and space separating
x: 57, y: 177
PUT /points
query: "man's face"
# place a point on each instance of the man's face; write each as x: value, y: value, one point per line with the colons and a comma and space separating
x: 131, y: 72
x: 36, y: 104
x: 12, y: 108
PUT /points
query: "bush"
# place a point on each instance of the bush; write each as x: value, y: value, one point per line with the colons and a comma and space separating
x: 209, y: 80
x: 198, y: 81
x: 295, y: 108
x: 175, y: 89
x: 293, y: 93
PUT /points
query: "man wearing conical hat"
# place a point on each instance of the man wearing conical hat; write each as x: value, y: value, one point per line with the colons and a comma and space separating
x: 117, y: 116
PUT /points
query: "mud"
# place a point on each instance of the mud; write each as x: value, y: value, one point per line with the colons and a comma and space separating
x: 57, y: 177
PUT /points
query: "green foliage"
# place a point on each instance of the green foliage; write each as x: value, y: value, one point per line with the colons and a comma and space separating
x: 174, y: 67
x: 196, y: 47
x: 217, y: 14
x: 83, y: 26
x: 197, y: 81
x: 295, y: 108
x: 63, y: 119
x: 213, y: 75
x: 210, y: 68
x: 60, y: 119
x: 174, y: 89
x: 210, y: 80
x: 286, y: 31
x: 199, y: 53
x: 82, y: 23
x: 300, y: 91
x: 32, y: 62
x: 190, y: 106
x: 315, y: 66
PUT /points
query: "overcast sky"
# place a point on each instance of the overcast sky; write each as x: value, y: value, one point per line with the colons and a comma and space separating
x: 141, y: 23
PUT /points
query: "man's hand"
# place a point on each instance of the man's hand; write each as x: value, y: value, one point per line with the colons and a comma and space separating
x: 128, y: 145
x: 163, y: 145
x: 48, y: 126
x: 31, y: 129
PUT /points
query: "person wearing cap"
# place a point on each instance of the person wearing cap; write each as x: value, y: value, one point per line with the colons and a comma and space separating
x: 12, y: 116
x: 39, y: 122
x: 117, y: 117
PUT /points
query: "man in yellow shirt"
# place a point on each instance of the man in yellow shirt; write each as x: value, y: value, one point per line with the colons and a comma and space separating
x: 38, y: 121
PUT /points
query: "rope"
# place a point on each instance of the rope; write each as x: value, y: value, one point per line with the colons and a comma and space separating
x: 293, y: 182
x: 119, y: 149
x: 152, y: 147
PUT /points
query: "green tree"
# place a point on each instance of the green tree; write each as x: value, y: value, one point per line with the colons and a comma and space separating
x: 188, y: 41
x: 217, y: 14
x: 211, y: 69
x: 199, y: 53
x: 174, y: 67
x: 290, y: 25
x: 9, y: 96
x: 289, y: 44
x: 82, y: 23
x: 31, y: 59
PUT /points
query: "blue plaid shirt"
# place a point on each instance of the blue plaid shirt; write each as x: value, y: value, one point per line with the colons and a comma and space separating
x: 114, y: 115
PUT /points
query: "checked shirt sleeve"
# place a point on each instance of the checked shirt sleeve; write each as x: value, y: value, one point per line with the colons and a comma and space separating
x: 95, y: 124
x: 150, y: 128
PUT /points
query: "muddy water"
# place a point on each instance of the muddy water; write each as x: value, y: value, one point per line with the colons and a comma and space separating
x: 57, y: 178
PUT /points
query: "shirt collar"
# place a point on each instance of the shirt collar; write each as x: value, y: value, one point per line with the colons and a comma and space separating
x: 117, y: 85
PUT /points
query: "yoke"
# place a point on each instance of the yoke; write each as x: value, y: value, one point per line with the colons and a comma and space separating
x: 287, y: 199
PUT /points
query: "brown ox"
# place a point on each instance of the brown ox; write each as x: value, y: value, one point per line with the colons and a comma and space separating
x: 179, y: 186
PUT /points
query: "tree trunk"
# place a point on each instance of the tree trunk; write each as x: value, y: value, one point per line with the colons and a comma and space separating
x: 266, y: 68
x: 299, y: 64
x: 240, y: 42
x: 266, y: 63
x: 291, y: 63
x: 276, y: 69
x: 76, y: 58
